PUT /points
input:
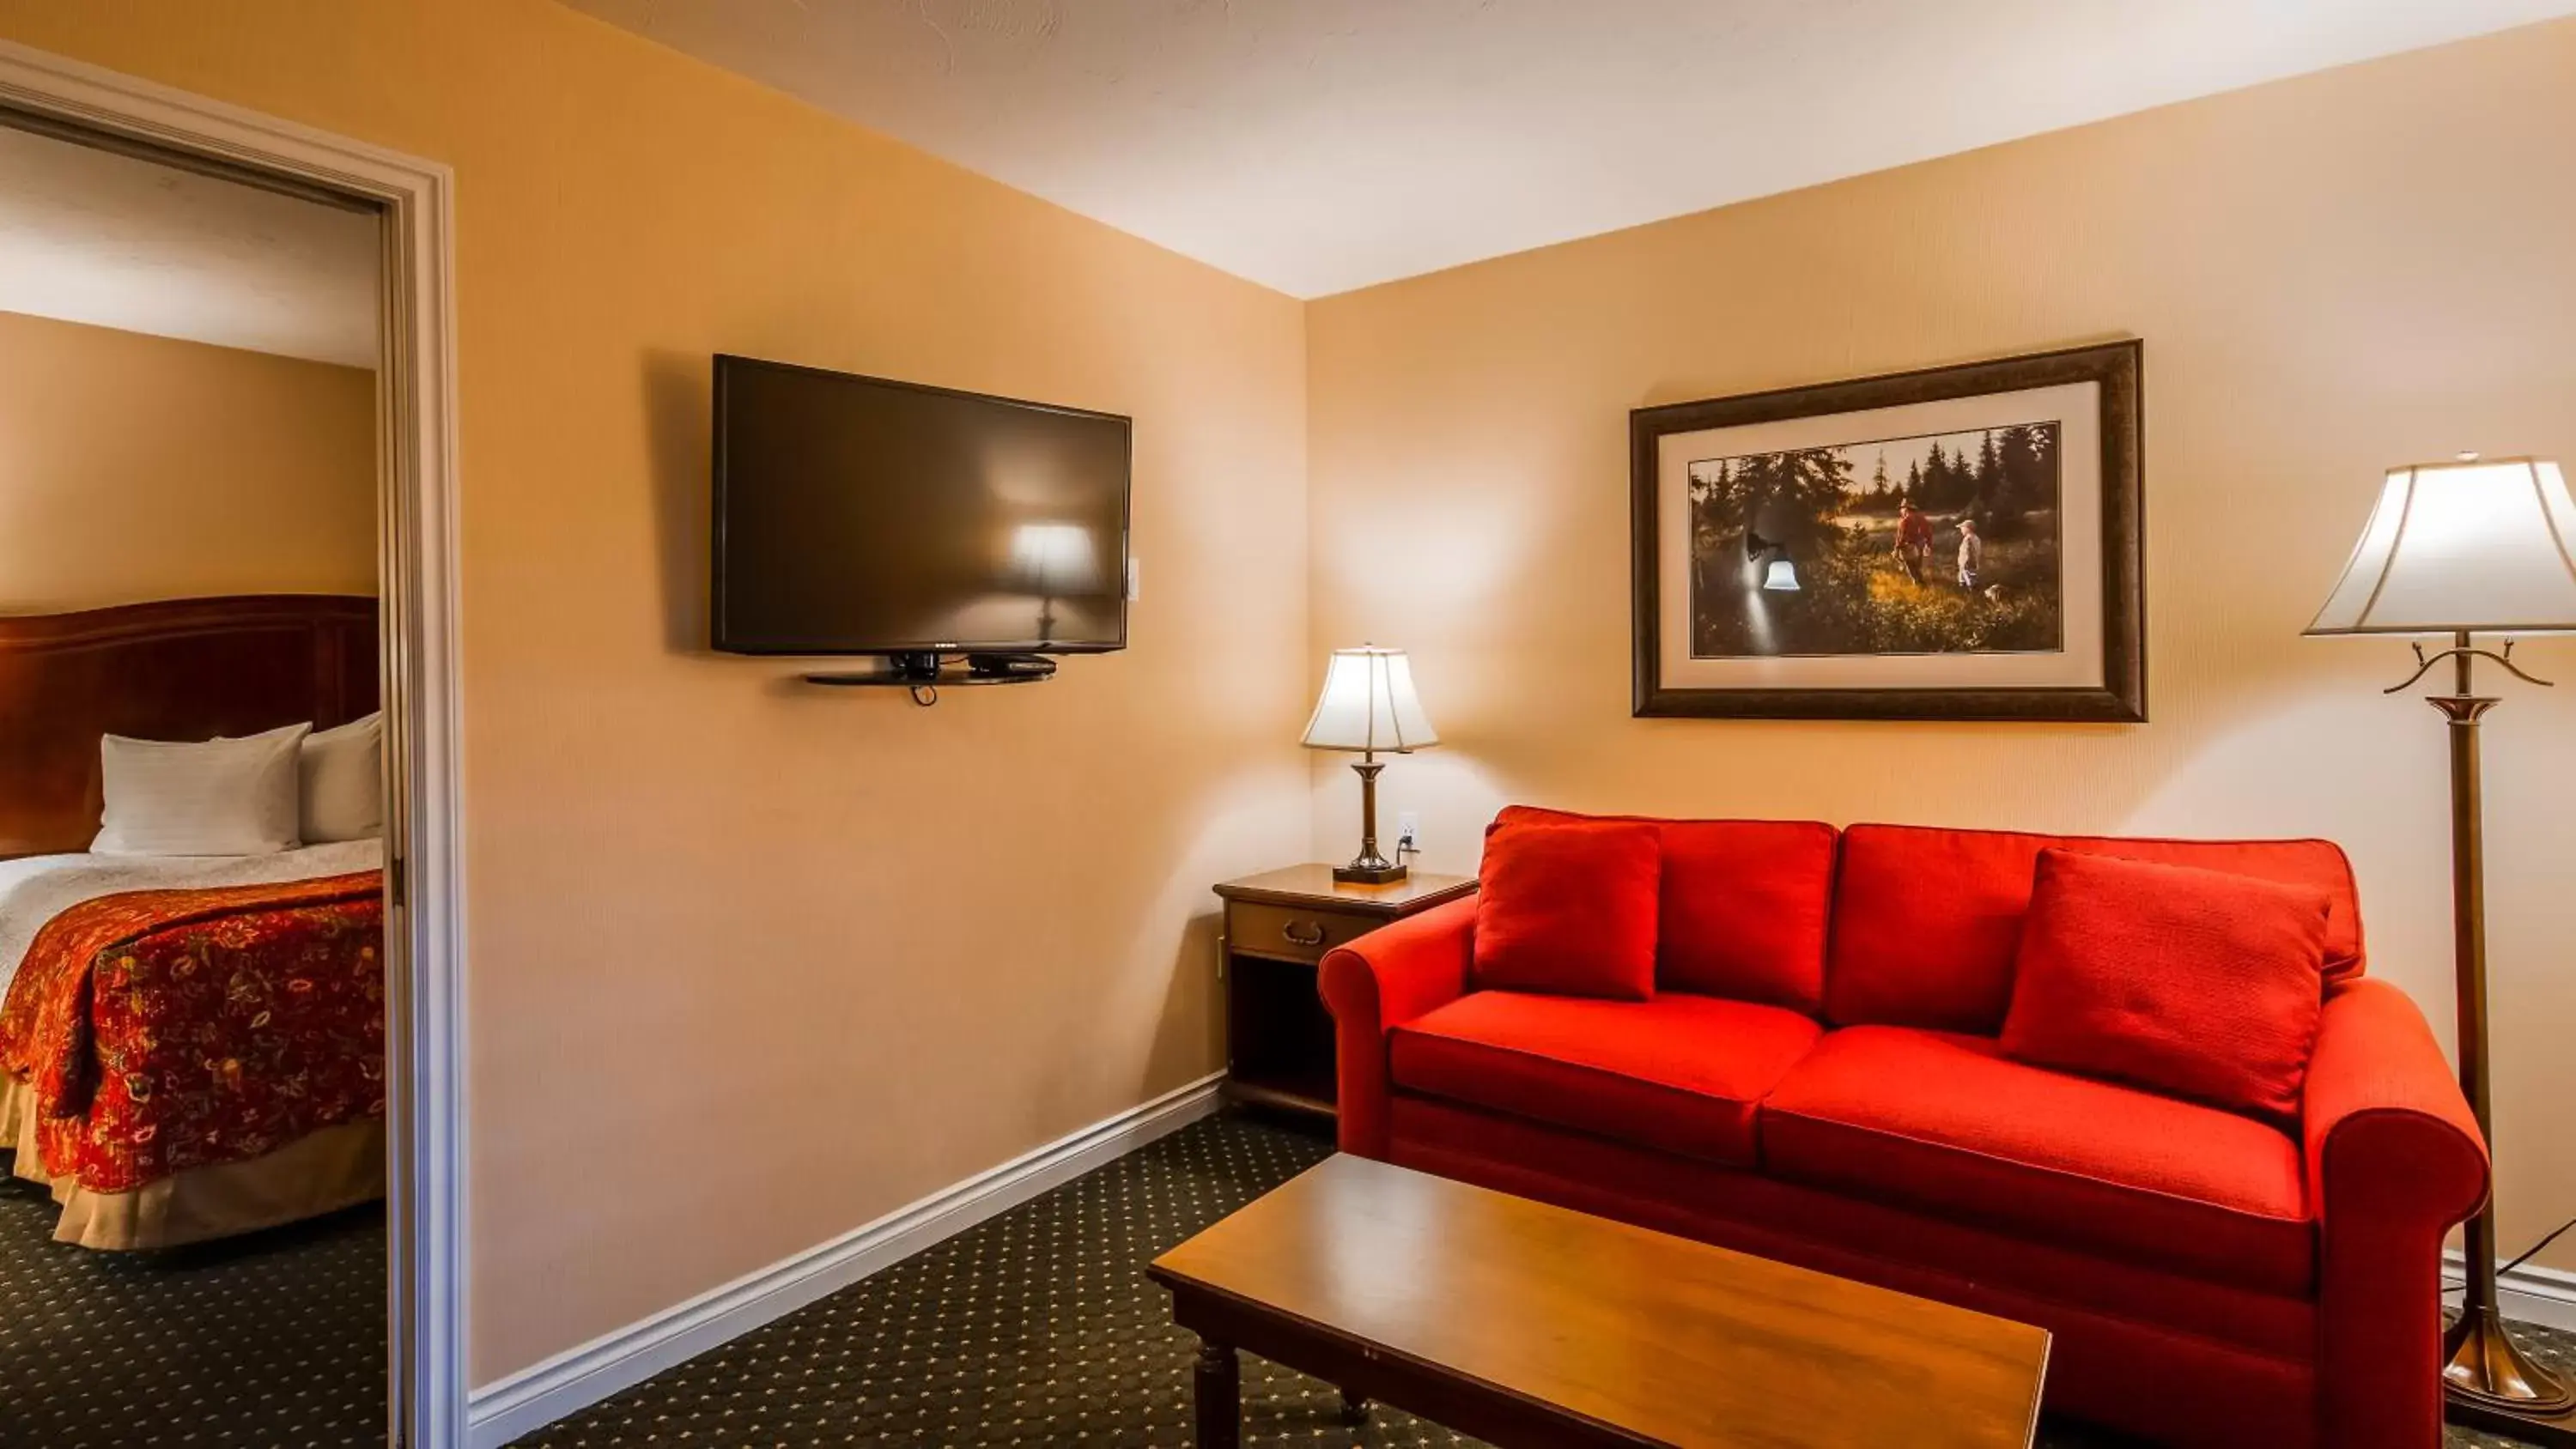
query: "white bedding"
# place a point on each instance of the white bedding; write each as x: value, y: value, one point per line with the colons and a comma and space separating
x: 40, y: 887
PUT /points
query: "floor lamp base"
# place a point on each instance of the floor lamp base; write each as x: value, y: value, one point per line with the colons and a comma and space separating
x: 2490, y: 1385
x: 2548, y: 1431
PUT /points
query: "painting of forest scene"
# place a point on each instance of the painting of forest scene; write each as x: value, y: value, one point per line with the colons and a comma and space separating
x: 1940, y: 544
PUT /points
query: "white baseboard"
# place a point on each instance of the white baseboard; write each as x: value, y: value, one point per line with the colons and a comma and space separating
x: 573, y: 1380
x: 2546, y: 1296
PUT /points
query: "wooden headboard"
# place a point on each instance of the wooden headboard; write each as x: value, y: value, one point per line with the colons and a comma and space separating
x: 178, y: 669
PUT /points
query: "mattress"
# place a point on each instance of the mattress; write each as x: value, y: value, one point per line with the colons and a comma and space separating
x: 35, y: 889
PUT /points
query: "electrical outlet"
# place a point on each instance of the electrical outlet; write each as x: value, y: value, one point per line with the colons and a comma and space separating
x: 1408, y: 830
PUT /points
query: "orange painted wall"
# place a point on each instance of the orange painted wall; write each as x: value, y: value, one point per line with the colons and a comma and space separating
x: 2331, y: 274
x: 135, y: 467
x: 753, y: 963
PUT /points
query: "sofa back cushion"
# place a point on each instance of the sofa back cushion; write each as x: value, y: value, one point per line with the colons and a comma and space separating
x: 1926, y: 920
x: 1742, y: 906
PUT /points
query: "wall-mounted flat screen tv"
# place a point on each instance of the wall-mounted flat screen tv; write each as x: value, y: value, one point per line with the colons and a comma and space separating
x: 855, y: 515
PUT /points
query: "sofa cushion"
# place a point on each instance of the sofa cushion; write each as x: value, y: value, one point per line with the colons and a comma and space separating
x: 1680, y: 1072
x: 1944, y: 1123
x: 2179, y: 980
x: 1568, y: 907
x: 1926, y: 921
x: 1743, y: 905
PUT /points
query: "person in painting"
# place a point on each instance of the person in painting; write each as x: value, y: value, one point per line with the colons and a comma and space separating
x: 1913, y: 541
x: 1972, y: 554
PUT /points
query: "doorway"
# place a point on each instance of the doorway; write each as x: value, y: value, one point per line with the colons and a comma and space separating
x: 413, y: 643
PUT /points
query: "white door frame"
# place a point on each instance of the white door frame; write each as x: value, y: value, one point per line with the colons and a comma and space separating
x: 424, y: 936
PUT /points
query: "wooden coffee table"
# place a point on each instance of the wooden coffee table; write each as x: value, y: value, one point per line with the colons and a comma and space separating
x: 1525, y: 1324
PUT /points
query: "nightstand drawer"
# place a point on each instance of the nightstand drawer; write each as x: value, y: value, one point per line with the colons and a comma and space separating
x: 1290, y: 934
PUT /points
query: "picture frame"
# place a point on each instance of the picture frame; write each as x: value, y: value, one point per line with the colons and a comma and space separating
x: 1955, y: 543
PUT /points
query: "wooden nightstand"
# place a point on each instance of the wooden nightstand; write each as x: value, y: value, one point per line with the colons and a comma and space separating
x: 1278, y: 1037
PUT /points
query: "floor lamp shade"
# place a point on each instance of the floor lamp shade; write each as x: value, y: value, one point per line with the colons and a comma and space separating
x: 2486, y: 547
x: 1369, y: 705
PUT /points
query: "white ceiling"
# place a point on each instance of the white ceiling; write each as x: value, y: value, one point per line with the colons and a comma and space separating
x: 1320, y: 145
x: 98, y: 237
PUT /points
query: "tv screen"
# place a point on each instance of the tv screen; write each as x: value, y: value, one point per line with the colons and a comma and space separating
x: 854, y: 515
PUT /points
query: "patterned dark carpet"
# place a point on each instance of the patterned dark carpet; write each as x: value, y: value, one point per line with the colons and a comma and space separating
x: 275, y: 1339
x: 1039, y: 1328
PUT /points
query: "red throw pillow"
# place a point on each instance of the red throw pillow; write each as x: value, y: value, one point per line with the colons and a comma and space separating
x: 1569, y: 909
x: 2194, y: 983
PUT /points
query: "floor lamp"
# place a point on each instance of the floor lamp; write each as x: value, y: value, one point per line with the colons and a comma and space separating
x: 2456, y: 550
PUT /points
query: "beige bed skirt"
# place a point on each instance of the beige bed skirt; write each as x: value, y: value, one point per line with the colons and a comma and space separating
x: 321, y: 1172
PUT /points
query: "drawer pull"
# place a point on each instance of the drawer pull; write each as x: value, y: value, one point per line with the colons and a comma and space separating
x: 1312, y: 935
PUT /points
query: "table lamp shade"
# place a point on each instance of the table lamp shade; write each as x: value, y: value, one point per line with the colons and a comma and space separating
x: 2486, y: 547
x: 1369, y: 704
x: 1054, y: 559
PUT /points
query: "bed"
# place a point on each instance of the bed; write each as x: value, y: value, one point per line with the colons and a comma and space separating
x: 190, y: 1047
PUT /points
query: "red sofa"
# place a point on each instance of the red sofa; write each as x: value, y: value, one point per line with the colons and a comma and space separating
x: 1817, y: 1079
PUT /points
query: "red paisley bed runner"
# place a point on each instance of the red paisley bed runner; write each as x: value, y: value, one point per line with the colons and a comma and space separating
x: 162, y: 1030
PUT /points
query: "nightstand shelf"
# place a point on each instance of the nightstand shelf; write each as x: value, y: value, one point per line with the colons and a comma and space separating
x: 1278, y: 925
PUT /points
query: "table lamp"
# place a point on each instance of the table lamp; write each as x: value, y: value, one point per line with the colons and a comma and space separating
x: 1053, y: 561
x: 1369, y: 705
x: 2461, y: 549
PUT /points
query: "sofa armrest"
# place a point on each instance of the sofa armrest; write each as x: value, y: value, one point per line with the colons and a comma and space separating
x: 1377, y: 983
x: 2394, y: 1159
x: 2387, y: 1128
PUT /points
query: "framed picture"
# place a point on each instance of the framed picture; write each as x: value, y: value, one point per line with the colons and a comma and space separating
x: 1961, y: 543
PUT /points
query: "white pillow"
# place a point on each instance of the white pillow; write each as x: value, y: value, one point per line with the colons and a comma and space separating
x: 222, y: 797
x: 344, y: 781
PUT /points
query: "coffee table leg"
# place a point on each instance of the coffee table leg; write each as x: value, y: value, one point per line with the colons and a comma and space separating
x: 1219, y: 1385
x: 1354, y: 1408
